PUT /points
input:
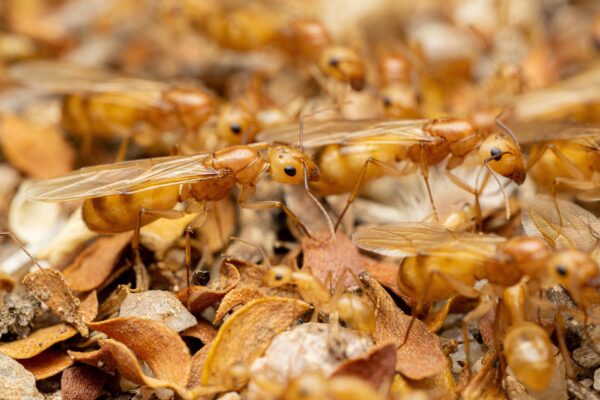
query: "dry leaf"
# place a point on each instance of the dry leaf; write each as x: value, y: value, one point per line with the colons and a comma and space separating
x: 485, y: 384
x: 158, y: 305
x: 435, y: 318
x: 202, y: 331
x: 198, y: 361
x: 153, y: 342
x: 440, y: 386
x: 247, y: 334
x: 95, y: 263
x: 81, y: 383
x: 160, y: 235
x: 387, y: 274
x: 238, y: 296
x: 43, y: 338
x: 40, y: 151
x: 331, y: 257
x: 7, y: 283
x: 201, y: 297
x: 377, y: 366
x: 47, y: 363
x: 38, y: 341
x: 421, y: 356
x: 50, y: 286
x: 221, y: 221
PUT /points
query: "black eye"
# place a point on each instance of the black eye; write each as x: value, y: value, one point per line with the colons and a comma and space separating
x: 334, y: 62
x: 387, y: 101
x: 289, y: 170
x: 235, y: 128
x: 561, y: 270
x: 496, y: 153
x: 278, y: 277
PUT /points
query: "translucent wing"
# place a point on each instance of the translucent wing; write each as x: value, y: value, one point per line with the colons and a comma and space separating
x: 417, y: 238
x: 123, y: 178
x: 66, y: 78
x: 543, y: 132
x: 575, y: 228
x: 344, y: 132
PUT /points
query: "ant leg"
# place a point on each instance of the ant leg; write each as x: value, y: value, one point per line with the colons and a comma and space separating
x: 123, y: 146
x: 559, y: 325
x: 389, y: 170
x: 419, y: 306
x: 170, y: 214
x: 188, y: 262
x: 482, y: 308
x: 263, y: 205
x: 425, y: 174
x: 468, y: 188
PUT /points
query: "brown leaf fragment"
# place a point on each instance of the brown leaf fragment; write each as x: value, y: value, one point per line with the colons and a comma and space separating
x: 82, y: 382
x: 238, y: 296
x: 387, y: 274
x: 101, y: 358
x: 159, y: 346
x: 43, y: 338
x: 439, y: 386
x: 436, y: 317
x: 38, y: 341
x: 50, y: 286
x: 198, y: 361
x: 202, y: 297
x: 377, y: 366
x: 247, y: 334
x: 202, y: 331
x: 332, y: 257
x: 485, y: 383
x: 7, y: 282
x: 48, y: 363
x: 38, y: 150
x: 95, y: 263
x: 421, y: 356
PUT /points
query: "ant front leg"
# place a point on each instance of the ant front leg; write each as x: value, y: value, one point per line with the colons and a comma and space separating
x: 247, y: 191
x: 468, y: 188
x: 389, y: 170
x: 135, y: 241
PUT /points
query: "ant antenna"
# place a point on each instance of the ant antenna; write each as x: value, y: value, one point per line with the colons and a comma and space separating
x: 507, y: 130
x: 317, y: 202
x: 262, y: 251
x: 486, y: 163
x: 22, y: 247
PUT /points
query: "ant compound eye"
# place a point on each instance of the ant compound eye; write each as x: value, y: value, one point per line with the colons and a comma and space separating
x: 387, y: 101
x: 289, y: 170
x: 236, y: 129
x: 561, y: 270
x: 496, y: 153
x: 334, y: 62
x: 278, y: 277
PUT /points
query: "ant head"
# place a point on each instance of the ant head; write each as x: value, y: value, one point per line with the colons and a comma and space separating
x: 277, y: 276
x: 236, y: 125
x: 399, y: 101
x: 356, y: 312
x: 572, y: 269
x: 288, y: 165
x: 343, y: 64
x: 504, y: 157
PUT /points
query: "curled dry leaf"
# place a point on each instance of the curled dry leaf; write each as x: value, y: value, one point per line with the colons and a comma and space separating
x: 439, y: 386
x: 158, y: 305
x: 50, y: 286
x: 377, y: 366
x: 153, y: 342
x: 238, y: 296
x: 201, y: 297
x: 202, y: 331
x: 95, y: 263
x: 421, y: 356
x: 48, y: 363
x: 198, y: 361
x: 247, y: 334
x: 332, y: 257
x: 82, y: 382
x: 43, y: 338
x: 485, y: 383
x: 387, y: 274
x: 40, y: 151
x: 160, y: 235
x: 219, y: 225
x: 16, y: 382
